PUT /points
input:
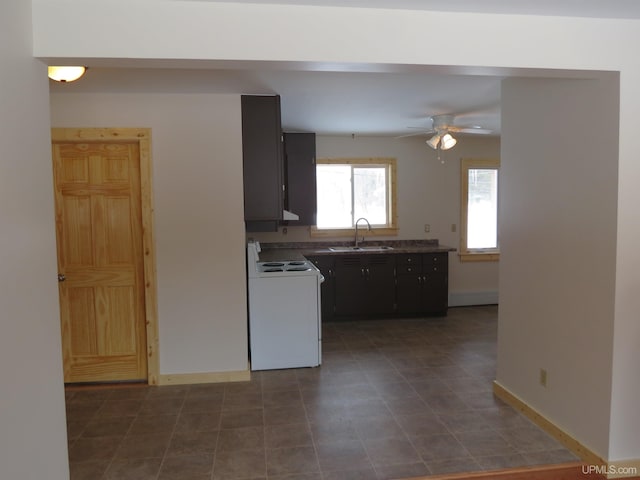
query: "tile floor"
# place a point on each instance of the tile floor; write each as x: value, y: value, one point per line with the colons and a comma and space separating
x: 393, y: 399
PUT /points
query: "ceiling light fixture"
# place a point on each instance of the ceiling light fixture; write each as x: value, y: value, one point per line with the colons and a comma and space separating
x: 433, y: 141
x: 66, y: 74
x: 445, y: 141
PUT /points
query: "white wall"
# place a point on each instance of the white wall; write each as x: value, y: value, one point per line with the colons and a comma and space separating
x: 625, y: 423
x: 199, y: 228
x: 385, y: 40
x: 558, y: 248
x: 428, y: 193
x: 33, y: 440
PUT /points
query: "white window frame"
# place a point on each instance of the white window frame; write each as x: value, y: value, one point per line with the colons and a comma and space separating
x: 376, y: 230
x: 475, y: 255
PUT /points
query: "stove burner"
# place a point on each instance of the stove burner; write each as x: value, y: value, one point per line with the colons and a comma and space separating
x: 298, y: 269
x: 273, y: 270
x: 296, y: 264
x: 273, y: 264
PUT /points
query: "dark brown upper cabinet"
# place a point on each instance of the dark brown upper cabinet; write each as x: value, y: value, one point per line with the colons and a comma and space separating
x: 300, y: 174
x: 263, y: 162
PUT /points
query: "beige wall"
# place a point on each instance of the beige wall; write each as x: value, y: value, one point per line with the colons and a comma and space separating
x: 199, y: 228
x: 558, y: 233
x: 32, y: 416
x: 428, y: 193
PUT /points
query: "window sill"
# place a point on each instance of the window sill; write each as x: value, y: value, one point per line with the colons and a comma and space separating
x: 350, y: 232
x: 479, y: 256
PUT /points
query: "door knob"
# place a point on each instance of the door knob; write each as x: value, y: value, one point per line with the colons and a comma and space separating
x: 61, y: 277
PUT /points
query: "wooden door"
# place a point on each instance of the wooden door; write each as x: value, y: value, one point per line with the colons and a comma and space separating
x: 100, y: 260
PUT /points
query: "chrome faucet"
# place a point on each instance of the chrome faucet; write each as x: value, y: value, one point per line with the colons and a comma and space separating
x: 369, y: 228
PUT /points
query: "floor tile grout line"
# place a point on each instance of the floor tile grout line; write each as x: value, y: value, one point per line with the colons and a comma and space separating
x: 173, y: 431
x: 313, y: 440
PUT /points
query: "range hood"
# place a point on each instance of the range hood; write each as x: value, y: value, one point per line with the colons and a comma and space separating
x: 287, y: 215
x: 269, y: 225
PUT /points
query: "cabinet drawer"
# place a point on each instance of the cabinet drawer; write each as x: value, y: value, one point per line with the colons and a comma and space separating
x: 437, y: 268
x: 435, y: 261
x: 409, y: 259
x: 409, y: 269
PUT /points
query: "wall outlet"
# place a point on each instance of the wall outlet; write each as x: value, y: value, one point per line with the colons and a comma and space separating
x: 454, y: 227
x: 543, y: 377
x: 427, y: 228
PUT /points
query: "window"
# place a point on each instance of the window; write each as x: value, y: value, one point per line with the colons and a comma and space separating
x: 349, y: 189
x: 479, y: 210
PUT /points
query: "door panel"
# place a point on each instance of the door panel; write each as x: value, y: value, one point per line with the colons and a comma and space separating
x: 76, y: 223
x: 99, y: 233
x: 118, y: 231
x: 82, y: 321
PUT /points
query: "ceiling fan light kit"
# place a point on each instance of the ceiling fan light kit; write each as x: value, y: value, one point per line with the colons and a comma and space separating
x: 445, y: 142
x: 442, y: 126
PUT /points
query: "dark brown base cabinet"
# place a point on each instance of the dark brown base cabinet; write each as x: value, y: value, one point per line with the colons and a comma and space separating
x: 422, y: 284
x: 378, y: 286
x: 364, y: 285
x: 327, y: 288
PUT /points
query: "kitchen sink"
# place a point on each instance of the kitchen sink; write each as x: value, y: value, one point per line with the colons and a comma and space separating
x: 372, y: 248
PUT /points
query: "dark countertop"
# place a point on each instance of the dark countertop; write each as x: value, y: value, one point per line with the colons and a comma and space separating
x: 272, y: 252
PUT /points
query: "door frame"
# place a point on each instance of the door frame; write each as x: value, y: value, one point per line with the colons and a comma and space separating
x: 143, y: 137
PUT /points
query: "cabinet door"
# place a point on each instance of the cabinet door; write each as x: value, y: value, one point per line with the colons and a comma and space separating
x: 435, y: 293
x: 300, y: 172
x: 262, y: 159
x: 409, y: 283
x: 327, y: 294
x: 435, y: 284
x: 409, y: 292
x: 350, y: 286
x: 380, y: 285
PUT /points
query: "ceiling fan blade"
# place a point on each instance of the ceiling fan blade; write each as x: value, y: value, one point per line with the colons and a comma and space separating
x: 424, y: 129
x: 471, y: 129
x: 413, y: 134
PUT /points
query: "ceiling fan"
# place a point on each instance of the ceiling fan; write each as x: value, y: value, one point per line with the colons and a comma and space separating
x: 442, y: 128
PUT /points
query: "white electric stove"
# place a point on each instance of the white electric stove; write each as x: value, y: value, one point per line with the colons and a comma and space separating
x: 284, y: 312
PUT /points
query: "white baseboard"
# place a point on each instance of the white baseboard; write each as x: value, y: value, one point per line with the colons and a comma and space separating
x: 466, y: 299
